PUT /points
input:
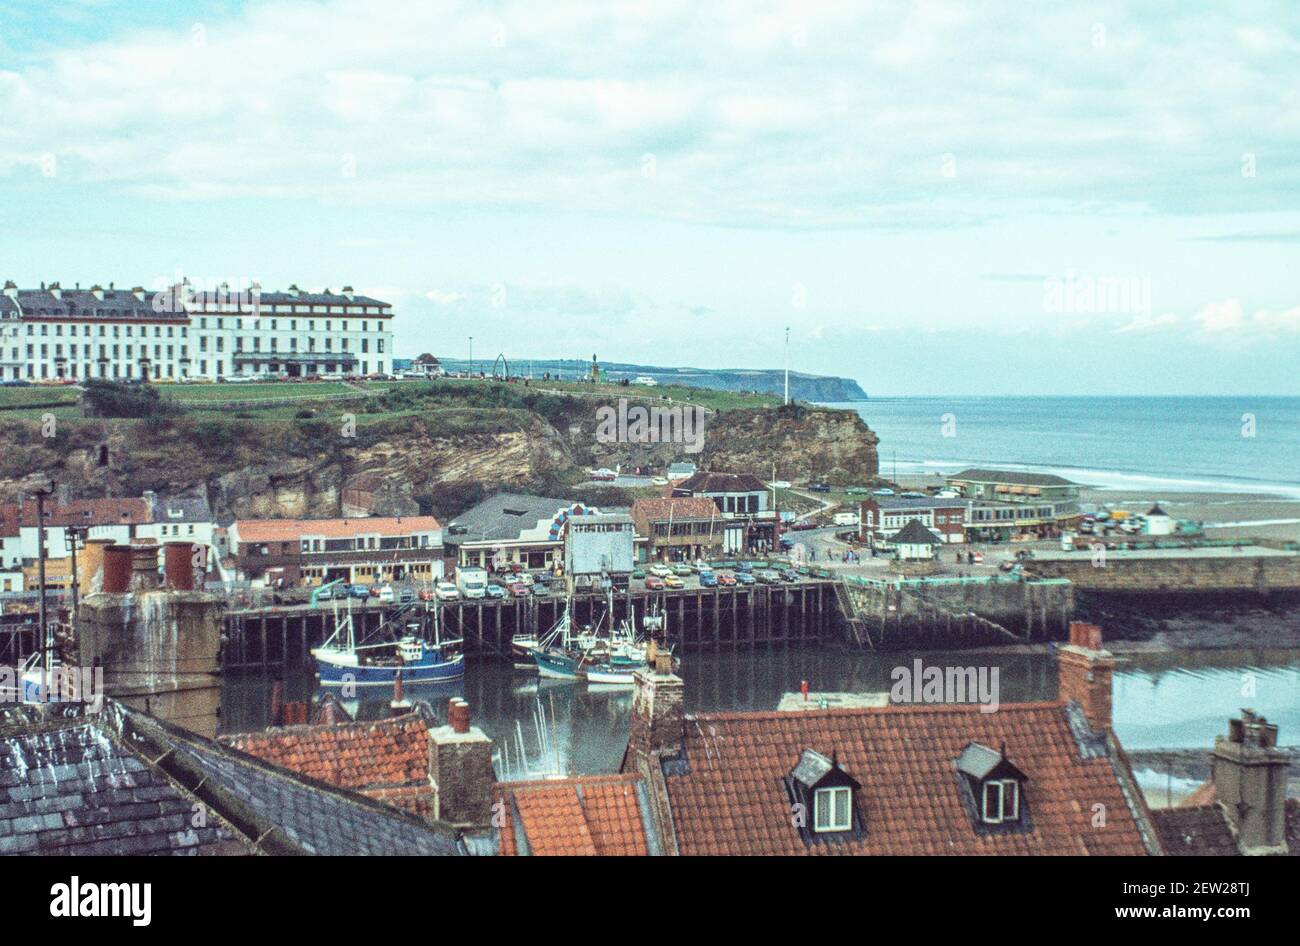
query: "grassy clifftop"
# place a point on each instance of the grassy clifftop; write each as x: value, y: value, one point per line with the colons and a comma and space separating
x: 293, y: 449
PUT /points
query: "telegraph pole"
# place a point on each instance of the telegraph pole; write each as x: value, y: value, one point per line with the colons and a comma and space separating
x: 45, y: 488
x: 471, y: 356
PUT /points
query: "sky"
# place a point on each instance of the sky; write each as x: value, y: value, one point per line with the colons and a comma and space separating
x: 934, y: 198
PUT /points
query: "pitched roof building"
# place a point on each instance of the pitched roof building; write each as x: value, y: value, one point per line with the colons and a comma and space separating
x: 122, y: 782
x: 1243, y: 809
x: 386, y: 759
x: 1033, y: 778
x: 603, y: 815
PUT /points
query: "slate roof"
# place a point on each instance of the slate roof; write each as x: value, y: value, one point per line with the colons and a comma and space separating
x: 149, y: 769
x: 181, y: 509
x: 894, y: 503
x: 726, y: 794
x: 1200, y: 830
x: 705, y: 482
x: 504, y: 517
x: 1013, y: 477
x: 1199, y: 826
x: 386, y: 759
x: 915, y: 534
x: 591, y: 815
x: 69, y: 787
x: 82, y: 304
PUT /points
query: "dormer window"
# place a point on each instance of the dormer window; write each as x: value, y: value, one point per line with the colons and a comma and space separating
x: 992, y: 789
x: 1001, y: 801
x: 832, y: 809
x: 823, y: 799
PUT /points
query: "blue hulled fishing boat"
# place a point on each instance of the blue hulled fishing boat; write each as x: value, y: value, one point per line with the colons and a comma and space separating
x: 340, y: 661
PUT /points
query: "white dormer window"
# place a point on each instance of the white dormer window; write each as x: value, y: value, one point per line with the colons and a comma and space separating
x: 831, y: 809
x: 1001, y: 801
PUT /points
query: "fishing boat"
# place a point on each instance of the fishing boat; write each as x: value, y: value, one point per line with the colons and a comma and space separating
x: 341, y: 661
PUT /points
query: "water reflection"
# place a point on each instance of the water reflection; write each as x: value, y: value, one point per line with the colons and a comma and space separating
x: 1177, y: 700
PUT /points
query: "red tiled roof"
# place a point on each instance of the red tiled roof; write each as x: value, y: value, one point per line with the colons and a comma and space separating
x: 592, y: 815
x: 284, y: 530
x: 683, y: 507
x: 80, y: 512
x: 387, y: 760
x: 732, y: 799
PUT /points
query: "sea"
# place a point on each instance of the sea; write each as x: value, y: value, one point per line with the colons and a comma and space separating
x: 1240, y: 444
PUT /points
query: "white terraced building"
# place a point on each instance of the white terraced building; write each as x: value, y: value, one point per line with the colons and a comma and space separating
x: 51, y: 332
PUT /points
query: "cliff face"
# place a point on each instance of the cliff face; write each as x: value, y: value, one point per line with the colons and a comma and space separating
x: 411, y: 465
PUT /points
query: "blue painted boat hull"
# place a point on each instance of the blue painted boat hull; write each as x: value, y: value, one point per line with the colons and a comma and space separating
x: 431, y: 672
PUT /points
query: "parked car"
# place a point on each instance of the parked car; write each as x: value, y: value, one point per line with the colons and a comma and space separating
x: 540, y: 590
x: 744, y: 578
x: 638, y: 573
x: 767, y: 576
x: 358, y: 591
x: 407, y: 596
x: 495, y: 591
x: 660, y: 570
x: 447, y: 591
x: 789, y: 574
x: 517, y: 589
x: 819, y: 487
x: 708, y: 580
x: 883, y: 491
x: 654, y: 583
x: 386, y: 594
x: 726, y: 579
x: 427, y: 594
x: 672, y: 581
x: 682, y: 570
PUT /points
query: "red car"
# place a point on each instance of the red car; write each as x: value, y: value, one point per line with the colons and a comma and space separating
x: 427, y: 595
x: 517, y: 589
x: 726, y: 579
x: 654, y: 583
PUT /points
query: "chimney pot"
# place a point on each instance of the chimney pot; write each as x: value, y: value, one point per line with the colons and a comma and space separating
x: 1250, y: 775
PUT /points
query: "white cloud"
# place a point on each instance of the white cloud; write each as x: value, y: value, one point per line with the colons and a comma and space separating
x: 808, y: 114
x: 1228, y: 321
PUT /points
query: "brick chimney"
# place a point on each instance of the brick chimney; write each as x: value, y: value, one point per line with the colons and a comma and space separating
x: 1085, y: 669
x: 460, y: 766
x: 658, y: 710
x: 1250, y: 783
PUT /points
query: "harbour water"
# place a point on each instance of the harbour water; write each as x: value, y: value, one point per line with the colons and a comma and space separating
x: 1240, y: 444
x: 1164, y: 701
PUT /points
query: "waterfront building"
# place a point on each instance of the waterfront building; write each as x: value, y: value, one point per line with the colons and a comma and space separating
x: 1159, y: 522
x: 883, y: 517
x: 744, y: 503
x: 180, y: 333
x: 681, y: 528
x: 513, y: 529
x: 915, y: 543
x: 356, y: 550
x: 1015, y: 487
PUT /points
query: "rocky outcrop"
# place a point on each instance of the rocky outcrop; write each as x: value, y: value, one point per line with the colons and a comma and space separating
x: 423, y: 464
